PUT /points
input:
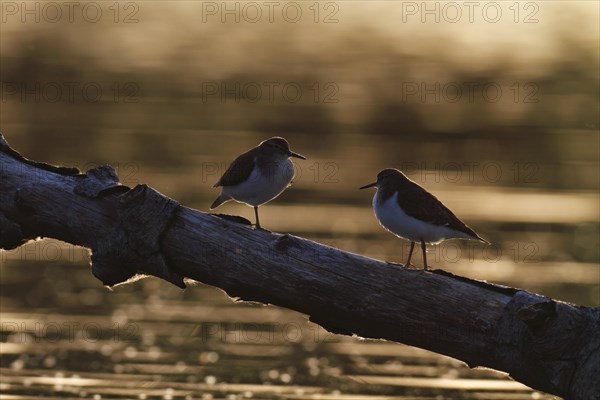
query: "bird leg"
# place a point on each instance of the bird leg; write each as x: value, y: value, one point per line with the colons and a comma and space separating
x: 424, y: 248
x: 256, y: 214
x: 412, y: 246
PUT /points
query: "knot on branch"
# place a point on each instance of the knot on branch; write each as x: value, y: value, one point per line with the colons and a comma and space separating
x: 11, y: 235
x: 531, y: 313
x: 285, y: 241
x: 537, y: 315
x: 97, y: 181
x: 134, y: 246
x: 530, y: 327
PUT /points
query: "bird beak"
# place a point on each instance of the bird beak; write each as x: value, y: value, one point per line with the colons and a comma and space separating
x: 292, y: 154
x: 369, y: 185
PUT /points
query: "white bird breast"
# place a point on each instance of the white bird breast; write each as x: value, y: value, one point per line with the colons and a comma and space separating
x: 394, y: 219
x: 259, y: 188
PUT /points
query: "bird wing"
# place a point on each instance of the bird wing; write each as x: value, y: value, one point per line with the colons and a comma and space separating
x: 239, y: 170
x: 420, y: 204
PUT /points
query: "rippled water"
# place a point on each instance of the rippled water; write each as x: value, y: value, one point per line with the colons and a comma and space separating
x: 69, y: 338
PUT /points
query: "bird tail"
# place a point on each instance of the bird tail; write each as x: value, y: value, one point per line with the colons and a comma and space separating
x: 481, y: 239
x: 219, y: 200
x: 470, y: 234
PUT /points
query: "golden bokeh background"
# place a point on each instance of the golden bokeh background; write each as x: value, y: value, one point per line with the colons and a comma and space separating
x: 492, y: 106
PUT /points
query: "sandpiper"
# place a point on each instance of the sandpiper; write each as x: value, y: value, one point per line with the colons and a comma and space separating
x: 259, y: 175
x: 409, y: 211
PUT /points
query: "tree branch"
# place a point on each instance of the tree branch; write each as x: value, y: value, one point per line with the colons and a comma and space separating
x: 546, y: 344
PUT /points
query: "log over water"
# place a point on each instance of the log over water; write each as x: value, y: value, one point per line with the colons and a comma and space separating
x: 546, y: 344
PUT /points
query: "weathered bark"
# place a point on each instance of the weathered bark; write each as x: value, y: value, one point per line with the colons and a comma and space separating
x: 546, y: 344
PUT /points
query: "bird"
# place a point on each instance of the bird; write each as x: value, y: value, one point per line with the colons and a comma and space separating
x: 407, y: 210
x: 258, y: 176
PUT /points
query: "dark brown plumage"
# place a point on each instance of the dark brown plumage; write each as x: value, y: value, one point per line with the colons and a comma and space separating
x: 418, y: 215
x: 258, y: 175
x: 420, y: 204
x: 239, y: 170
